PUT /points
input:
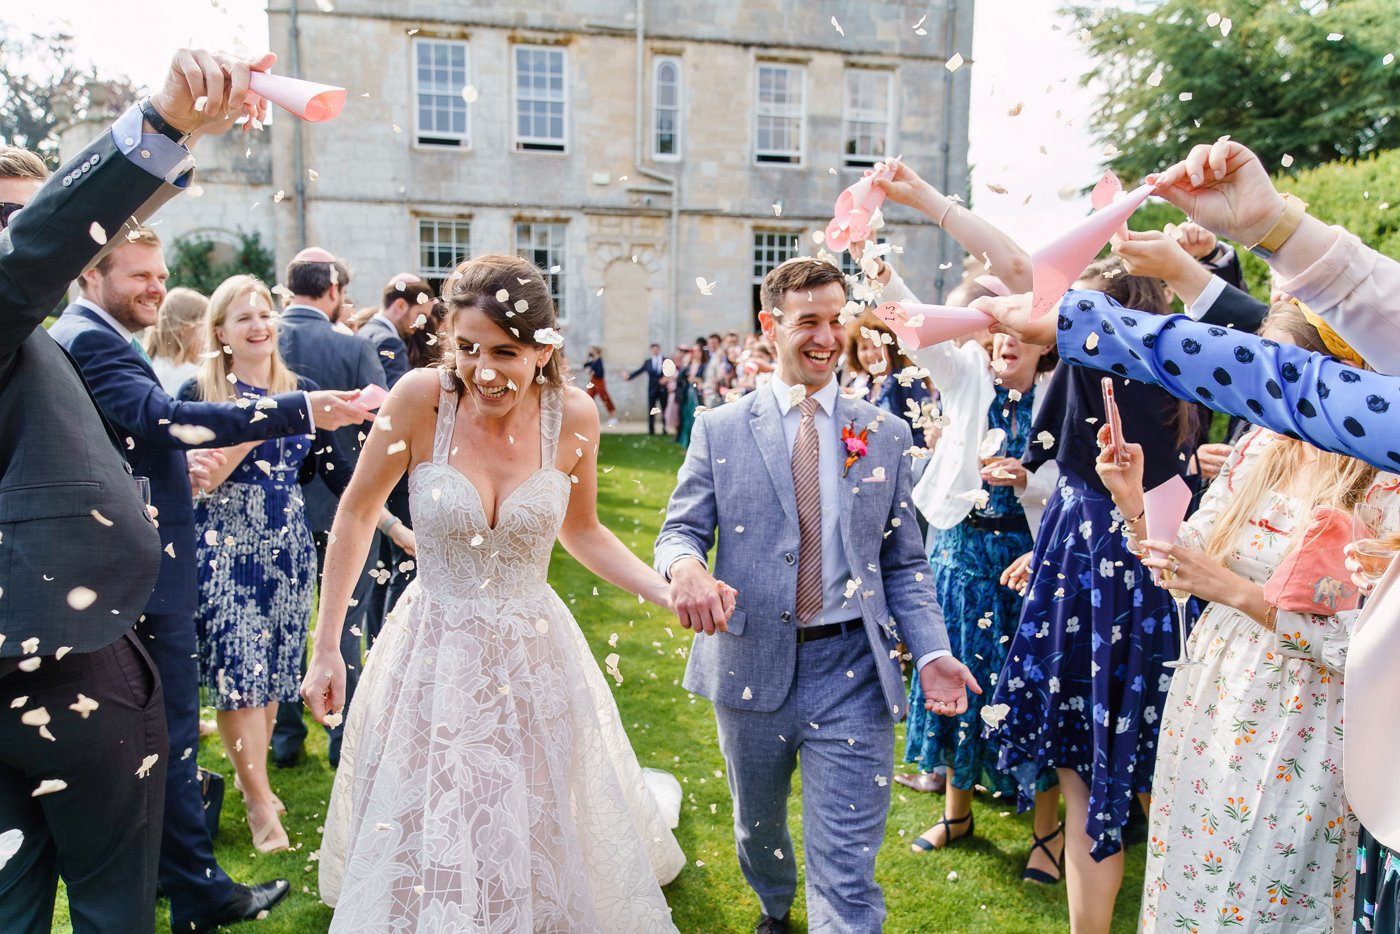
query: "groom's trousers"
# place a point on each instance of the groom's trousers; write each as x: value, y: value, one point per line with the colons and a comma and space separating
x: 835, y: 722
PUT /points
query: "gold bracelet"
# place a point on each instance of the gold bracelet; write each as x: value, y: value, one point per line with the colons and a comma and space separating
x: 1293, y: 210
x: 1271, y: 618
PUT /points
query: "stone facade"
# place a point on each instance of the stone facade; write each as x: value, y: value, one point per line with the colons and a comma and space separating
x: 635, y: 232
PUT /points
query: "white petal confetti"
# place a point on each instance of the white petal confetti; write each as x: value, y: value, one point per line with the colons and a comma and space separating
x: 48, y: 786
x: 147, y: 764
x: 837, y: 26
x: 469, y: 94
x: 80, y: 598
x: 954, y: 63
x: 334, y: 719
x: 97, y: 233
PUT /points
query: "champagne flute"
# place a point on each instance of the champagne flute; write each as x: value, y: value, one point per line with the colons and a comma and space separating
x: 1187, y: 537
x: 1375, y: 540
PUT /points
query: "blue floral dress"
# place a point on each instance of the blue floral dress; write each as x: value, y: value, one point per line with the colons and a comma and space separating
x: 257, y: 566
x: 980, y: 614
x: 1083, y: 683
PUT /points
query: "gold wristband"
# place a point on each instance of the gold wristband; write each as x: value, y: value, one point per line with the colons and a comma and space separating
x: 1293, y: 210
x: 1271, y: 618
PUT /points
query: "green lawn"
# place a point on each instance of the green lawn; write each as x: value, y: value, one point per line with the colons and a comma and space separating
x: 675, y: 731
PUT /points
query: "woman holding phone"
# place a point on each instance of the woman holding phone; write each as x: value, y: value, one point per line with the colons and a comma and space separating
x: 1084, y: 683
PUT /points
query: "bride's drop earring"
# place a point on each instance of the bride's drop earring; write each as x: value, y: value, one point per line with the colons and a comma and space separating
x: 540, y: 378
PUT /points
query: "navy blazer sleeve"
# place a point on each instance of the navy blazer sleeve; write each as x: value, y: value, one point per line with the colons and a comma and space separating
x: 393, y: 357
x: 1235, y: 308
x: 1304, y: 395
x: 48, y: 244
x: 369, y: 369
x: 132, y: 399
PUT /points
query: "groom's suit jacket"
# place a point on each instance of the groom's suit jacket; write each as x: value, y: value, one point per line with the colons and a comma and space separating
x: 736, y: 484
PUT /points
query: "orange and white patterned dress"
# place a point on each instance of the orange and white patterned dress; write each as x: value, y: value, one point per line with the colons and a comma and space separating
x: 1250, y: 828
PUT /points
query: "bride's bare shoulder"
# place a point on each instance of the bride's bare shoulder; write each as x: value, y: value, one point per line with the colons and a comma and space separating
x: 580, y: 413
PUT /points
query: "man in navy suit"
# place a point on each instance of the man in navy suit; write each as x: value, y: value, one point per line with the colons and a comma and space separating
x: 407, y: 299
x: 119, y: 296
x: 313, y: 348
x: 656, y: 392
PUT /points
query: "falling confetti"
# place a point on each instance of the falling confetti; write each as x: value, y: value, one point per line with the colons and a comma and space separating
x: 97, y: 233
x: 80, y: 598
x: 706, y: 288
x: 469, y: 94
x: 954, y: 63
x: 837, y: 26
x: 48, y: 786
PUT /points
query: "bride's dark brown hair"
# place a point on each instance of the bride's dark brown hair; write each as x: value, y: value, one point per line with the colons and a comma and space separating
x: 476, y: 282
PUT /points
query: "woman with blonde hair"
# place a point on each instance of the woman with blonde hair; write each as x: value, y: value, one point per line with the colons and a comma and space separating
x: 256, y: 558
x: 1248, y: 817
x: 177, y: 338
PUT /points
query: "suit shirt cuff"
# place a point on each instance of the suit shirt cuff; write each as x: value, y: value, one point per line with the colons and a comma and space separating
x: 310, y: 413
x: 153, y: 152
x: 676, y: 561
x: 930, y: 657
x: 1202, y: 305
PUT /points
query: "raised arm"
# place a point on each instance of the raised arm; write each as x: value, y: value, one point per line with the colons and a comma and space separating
x: 1004, y: 257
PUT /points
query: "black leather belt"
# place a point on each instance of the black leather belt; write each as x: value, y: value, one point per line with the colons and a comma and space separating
x: 1015, y: 522
x: 826, y: 630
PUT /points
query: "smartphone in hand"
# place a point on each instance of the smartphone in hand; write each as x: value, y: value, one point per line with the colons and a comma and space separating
x: 1115, y: 425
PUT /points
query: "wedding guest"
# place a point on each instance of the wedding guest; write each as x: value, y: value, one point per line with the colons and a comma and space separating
x: 314, y: 347
x: 1083, y: 681
x: 690, y: 382
x: 255, y: 553
x: 1235, y: 732
x: 176, y: 340
x: 405, y: 298
x: 875, y: 367
x: 120, y: 294
x: 657, y: 400
x: 101, y: 832
x: 715, y: 373
x: 405, y: 302
x: 597, y: 382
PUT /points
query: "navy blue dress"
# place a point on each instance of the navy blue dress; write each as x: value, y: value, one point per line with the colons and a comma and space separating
x: 981, y: 614
x: 1084, y: 681
x: 257, y: 565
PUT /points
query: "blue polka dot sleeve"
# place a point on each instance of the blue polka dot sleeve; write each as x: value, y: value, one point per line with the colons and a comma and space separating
x: 1304, y: 395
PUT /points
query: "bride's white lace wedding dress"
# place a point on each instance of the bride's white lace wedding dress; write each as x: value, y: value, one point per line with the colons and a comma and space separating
x: 486, y: 783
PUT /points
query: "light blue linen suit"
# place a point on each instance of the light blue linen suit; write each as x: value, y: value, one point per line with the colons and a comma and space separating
x: 833, y: 701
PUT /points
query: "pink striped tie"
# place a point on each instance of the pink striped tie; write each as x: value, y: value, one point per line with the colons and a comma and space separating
x: 806, y: 483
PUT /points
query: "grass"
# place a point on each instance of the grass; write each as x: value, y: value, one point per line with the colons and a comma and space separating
x: 675, y: 731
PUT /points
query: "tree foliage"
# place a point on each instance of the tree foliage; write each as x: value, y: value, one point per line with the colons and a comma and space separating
x: 42, y: 90
x: 192, y: 263
x: 1308, y: 79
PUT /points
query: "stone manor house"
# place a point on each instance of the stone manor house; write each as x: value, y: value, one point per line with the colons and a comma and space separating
x: 629, y: 145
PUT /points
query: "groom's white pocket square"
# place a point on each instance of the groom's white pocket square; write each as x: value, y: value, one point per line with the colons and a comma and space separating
x: 876, y: 476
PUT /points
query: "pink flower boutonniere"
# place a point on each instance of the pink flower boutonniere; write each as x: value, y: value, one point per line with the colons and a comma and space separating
x: 856, y: 445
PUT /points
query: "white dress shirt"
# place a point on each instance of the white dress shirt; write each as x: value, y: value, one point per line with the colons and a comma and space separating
x: 102, y: 313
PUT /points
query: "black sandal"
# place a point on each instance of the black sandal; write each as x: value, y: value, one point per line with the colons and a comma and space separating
x: 1040, y: 876
x: 921, y: 846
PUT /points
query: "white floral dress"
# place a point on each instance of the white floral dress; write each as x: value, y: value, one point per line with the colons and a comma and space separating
x: 486, y: 784
x: 1250, y: 828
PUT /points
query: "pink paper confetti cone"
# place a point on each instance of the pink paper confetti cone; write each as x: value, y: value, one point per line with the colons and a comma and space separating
x: 312, y: 102
x: 925, y: 325
x: 1164, y: 508
x: 1057, y: 265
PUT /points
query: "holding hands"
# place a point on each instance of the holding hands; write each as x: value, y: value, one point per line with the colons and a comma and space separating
x: 702, y: 603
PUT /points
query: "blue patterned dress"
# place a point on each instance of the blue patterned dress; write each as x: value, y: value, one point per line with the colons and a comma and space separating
x: 1083, y: 683
x: 257, y: 566
x: 980, y: 614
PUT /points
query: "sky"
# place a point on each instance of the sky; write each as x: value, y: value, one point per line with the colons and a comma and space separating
x: 1004, y: 149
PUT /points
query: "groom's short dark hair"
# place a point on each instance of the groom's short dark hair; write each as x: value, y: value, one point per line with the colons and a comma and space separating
x: 797, y: 275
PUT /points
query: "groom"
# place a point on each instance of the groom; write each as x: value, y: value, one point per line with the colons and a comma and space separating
x: 817, y: 534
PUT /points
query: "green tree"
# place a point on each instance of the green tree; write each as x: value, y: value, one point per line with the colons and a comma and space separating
x: 41, y: 90
x: 192, y: 263
x: 1268, y: 73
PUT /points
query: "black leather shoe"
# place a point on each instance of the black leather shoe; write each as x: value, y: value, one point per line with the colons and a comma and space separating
x: 767, y: 925
x: 290, y: 761
x: 245, y: 904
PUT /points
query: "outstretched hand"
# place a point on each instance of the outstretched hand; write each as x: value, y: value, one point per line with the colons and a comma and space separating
x: 1224, y: 188
x: 207, y: 91
x: 946, y: 682
x: 1013, y: 316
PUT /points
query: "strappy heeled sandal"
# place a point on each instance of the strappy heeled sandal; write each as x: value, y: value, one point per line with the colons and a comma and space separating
x: 921, y: 846
x: 1040, y: 876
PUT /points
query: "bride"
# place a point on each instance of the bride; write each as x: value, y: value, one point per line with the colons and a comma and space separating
x: 486, y: 783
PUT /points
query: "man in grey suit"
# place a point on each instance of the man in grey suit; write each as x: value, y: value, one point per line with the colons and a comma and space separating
x: 817, y: 534
x: 312, y: 347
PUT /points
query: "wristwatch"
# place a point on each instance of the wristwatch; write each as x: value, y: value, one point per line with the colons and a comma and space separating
x: 1293, y: 210
x: 159, y: 123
